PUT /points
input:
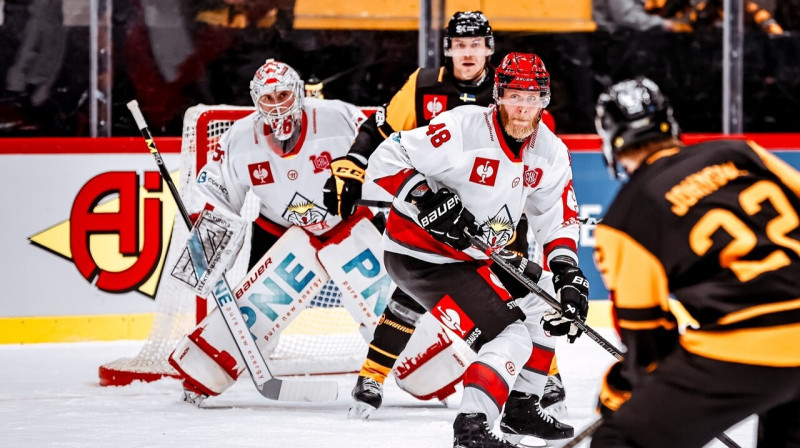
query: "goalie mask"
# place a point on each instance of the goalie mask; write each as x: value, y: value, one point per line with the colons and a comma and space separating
x: 278, y: 92
x: 522, y: 71
x: 630, y: 113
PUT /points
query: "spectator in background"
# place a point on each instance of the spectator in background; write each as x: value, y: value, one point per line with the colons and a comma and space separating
x: 787, y: 13
x: 708, y: 13
x: 183, y: 52
x: 39, y: 59
x: 611, y: 15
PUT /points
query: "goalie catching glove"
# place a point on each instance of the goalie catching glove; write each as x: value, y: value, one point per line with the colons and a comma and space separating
x: 343, y: 188
x: 572, y: 290
x: 443, y: 216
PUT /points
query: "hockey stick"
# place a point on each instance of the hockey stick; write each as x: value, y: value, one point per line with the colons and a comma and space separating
x: 589, y: 221
x: 536, y: 289
x: 269, y: 386
x: 589, y: 430
x: 586, y: 433
x: 544, y: 295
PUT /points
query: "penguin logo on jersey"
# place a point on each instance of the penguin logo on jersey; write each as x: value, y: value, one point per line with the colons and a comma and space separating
x: 305, y: 213
x: 434, y: 105
x: 498, y: 229
x: 260, y: 173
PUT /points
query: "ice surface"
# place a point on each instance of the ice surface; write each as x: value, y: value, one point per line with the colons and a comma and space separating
x: 50, y: 397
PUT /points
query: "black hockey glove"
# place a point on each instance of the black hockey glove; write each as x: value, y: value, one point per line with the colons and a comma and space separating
x: 530, y: 269
x: 614, y: 392
x: 572, y: 290
x: 445, y: 218
x: 343, y: 188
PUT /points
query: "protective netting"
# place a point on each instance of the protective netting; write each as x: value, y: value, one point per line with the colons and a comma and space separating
x: 323, y: 339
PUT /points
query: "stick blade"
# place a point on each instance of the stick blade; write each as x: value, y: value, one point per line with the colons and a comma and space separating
x: 302, y: 391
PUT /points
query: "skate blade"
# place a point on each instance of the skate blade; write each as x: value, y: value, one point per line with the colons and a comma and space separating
x: 193, y: 398
x: 525, y: 441
x: 557, y: 410
x: 360, y: 411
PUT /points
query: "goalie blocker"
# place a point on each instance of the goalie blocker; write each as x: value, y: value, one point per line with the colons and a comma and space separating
x: 279, y: 286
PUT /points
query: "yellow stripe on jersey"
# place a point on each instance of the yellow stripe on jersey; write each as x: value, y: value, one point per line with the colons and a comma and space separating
x: 647, y: 325
x: 759, y: 310
x: 635, y: 275
x: 382, y: 352
x: 783, y: 170
x: 768, y: 346
x: 373, y: 370
x: 401, y: 112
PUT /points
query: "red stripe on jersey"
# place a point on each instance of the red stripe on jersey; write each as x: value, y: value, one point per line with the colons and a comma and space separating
x: 540, y: 360
x: 559, y: 242
x: 406, y: 232
x: 498, y: 130
x: 485, y: 378
x: 494, y: 282
x: 393, y: 183
x: 297, y: 146
x: 269, y: 226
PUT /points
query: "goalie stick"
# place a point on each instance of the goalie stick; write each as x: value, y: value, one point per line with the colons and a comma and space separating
x: 388, y: 204
x: 536, y: 289
x: 267, y: 385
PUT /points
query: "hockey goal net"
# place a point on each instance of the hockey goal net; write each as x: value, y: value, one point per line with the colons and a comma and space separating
x: 324, y: 338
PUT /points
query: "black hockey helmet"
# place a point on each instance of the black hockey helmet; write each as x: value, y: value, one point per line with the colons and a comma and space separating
x: 630, y: 113
x: 468, y: 24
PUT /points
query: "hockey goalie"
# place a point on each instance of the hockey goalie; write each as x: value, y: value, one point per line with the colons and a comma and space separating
x: 282, y: 153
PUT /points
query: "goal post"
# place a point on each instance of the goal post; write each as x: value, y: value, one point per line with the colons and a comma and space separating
x: 324, y: 338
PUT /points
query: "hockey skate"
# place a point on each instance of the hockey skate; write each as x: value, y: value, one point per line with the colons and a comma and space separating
x: 191, y: 395
x: 523, y: 416
x: 554, y: 395
x: 472, y: 431
x: 367, y: 397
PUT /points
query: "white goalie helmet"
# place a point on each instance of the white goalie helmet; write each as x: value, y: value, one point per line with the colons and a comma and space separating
x: 282, y: 112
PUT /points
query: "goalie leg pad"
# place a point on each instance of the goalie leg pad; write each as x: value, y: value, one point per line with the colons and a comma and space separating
x: 354, y: 261
x: 207, y: 358
x: 271, y: 296
x: 433, y: 362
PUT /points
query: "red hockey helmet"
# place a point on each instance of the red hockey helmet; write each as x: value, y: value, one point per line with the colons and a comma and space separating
x: 522, y: 71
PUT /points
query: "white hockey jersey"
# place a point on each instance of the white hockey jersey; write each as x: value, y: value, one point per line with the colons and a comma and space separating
x: 289, y: 186
x: 463, y: 149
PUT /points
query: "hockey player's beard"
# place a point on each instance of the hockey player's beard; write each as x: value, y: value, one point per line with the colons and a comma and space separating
x: 519, y: 131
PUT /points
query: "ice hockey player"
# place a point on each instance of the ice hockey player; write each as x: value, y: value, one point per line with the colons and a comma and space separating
x: 714, y: 225
x: 281, y: 153
x: 478, y: 169
x: 467, y: 77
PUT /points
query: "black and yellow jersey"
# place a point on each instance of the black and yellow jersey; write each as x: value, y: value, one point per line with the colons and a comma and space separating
x: 427, y: 93
x: 716, y: 226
